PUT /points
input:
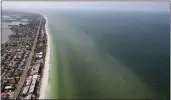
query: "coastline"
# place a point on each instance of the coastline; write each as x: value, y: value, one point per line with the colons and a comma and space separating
x: 44, y: 80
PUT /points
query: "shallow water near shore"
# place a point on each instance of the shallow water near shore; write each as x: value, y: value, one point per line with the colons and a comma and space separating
x: 109, y: 55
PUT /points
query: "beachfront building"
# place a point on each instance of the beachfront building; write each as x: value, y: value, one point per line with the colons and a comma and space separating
x: 25, y: 90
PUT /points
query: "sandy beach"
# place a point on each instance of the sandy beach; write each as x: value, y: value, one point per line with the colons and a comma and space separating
x: 44, y: 80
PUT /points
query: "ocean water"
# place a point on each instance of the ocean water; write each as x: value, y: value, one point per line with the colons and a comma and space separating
x: 109, y: 54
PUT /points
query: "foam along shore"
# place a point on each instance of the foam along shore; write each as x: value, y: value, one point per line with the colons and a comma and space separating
x: 44, y: 80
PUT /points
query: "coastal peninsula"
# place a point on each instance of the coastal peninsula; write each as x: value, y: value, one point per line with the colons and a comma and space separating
x: 23, y: 55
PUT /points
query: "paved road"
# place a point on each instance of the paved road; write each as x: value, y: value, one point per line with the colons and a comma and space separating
x: 23, y: 77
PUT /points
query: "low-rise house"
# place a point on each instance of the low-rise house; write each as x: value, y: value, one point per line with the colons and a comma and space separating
x: 9, y: 87
x: 12, y: 81
x: 40, y: 53
x: 4, y: 95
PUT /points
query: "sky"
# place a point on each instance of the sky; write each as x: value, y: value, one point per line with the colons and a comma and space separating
x: 128, y: 6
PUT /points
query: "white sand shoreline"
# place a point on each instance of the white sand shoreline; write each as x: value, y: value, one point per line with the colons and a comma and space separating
x: 44, y: 80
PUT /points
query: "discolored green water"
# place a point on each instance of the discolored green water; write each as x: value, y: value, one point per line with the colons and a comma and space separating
x: 109, y: 55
